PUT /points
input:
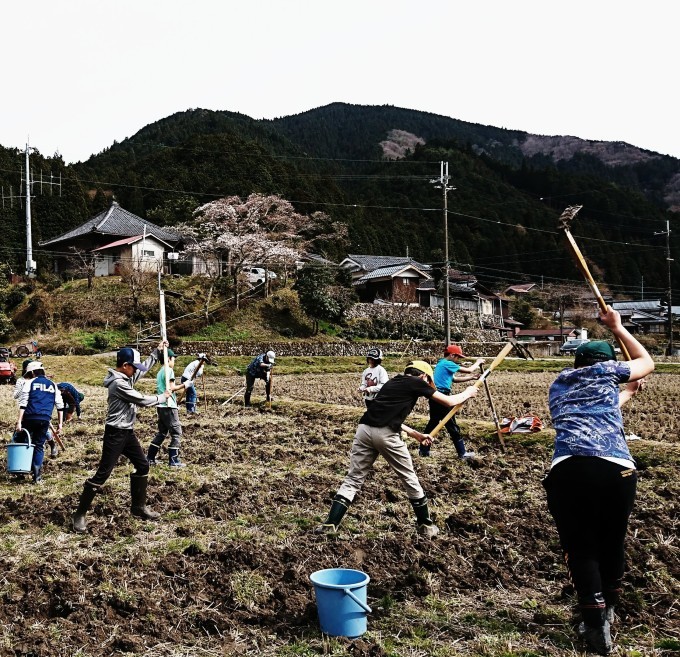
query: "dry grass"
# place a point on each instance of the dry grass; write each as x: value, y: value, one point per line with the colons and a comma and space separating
x: 226, y: 571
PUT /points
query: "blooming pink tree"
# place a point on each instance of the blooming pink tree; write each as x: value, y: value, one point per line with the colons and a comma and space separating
x: 230, y: 233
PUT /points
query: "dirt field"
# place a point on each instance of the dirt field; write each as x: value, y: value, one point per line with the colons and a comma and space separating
x: 226, y: 571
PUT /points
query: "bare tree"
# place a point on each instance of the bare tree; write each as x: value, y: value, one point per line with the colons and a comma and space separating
x: 84, y: 264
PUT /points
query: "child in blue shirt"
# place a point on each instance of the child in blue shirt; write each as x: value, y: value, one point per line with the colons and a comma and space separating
x: 446, y: 373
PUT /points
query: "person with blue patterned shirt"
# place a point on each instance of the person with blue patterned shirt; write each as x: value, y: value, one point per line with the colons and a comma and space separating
x: 592, y: 481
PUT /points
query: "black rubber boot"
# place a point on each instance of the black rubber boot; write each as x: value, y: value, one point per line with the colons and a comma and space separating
x: 138, y: 484
x: 54, y: 450
x: 152, y: 453
x: 335, y: 515
x: 36, y: 474
x: 611, y: 599
x: 594, y: 629
x: 173, y: 458
x: 86, y: 497
x: 424, y: 523
x: 246, y: 399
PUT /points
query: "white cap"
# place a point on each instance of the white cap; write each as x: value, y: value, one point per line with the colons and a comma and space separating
x: 271, y: 356
x: 33, y: 366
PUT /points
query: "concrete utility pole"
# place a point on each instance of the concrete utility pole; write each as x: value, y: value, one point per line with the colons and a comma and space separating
x: 30, y: 263
x: 669, y: 260
x: 443, y: 183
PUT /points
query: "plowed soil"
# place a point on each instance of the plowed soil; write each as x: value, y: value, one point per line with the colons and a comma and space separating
x: 226, y: 570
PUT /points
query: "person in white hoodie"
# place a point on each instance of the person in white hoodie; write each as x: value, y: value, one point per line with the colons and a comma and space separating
x: 119, y: 436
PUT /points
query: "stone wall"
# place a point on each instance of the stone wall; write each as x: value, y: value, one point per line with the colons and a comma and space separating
x: 393, y: 348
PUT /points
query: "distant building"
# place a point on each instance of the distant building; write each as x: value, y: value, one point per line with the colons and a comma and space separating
x: 643, y: 316
x: 106, y: 233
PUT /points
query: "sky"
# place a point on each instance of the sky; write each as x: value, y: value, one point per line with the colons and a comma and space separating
x: 81, y: 74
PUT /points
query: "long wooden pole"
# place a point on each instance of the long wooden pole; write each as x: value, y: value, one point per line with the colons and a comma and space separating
x: 164, y: 337
x: 563, y: 224
x: 477, y: 384
x: 494, y: 415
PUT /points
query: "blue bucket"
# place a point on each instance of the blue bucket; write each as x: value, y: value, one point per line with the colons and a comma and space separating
x: 20, y: 453
x: 341, y: 601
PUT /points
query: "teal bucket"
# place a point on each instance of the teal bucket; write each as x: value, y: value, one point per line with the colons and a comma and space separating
x: 341, y: 601
x: 20, y: 453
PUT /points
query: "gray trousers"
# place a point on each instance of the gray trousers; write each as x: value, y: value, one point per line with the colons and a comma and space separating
x: 168, y: 423
x: 371, y: 442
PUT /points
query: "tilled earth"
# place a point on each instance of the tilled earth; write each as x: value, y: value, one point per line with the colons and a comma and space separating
x: 226, y: 570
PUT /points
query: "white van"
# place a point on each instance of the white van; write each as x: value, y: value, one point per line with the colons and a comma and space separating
x: 256, y: 275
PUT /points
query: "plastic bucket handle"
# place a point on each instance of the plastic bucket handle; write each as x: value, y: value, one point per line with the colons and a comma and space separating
x: 23, y: 430
x: 362, y: 604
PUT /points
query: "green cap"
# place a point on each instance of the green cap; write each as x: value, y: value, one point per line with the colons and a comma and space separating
x: 596, y: 350
x: 171, y: 354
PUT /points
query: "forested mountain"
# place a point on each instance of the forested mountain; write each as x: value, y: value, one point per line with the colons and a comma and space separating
x: 372, y: 167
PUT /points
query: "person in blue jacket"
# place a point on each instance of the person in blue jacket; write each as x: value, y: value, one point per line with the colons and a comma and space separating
x: 592, y: 480
x: 38, y: 398
x: 72, y: 398
x: 260, y: 368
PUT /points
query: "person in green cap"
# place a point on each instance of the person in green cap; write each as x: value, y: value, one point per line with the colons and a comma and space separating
x: 379, y: 434
x: 168, y: 415
x: 592, y: 479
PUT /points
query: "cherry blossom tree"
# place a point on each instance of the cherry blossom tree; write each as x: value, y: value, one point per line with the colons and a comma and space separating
x: 230, y: 233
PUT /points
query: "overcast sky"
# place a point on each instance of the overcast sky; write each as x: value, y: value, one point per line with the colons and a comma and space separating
x: 79, y: 74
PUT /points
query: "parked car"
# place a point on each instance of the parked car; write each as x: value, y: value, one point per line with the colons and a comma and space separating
x: 8, y: 370
x: 256, y: 275
x: 570, y: 346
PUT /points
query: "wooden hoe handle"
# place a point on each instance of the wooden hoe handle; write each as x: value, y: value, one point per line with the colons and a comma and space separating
x: 581, y: 263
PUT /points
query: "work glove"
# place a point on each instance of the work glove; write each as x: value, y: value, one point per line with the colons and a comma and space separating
x: 187, y: 384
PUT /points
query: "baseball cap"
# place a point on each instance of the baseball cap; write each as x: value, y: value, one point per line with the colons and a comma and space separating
x: 171, y: 354
x: 421, y: 366
x: 271, y: 355
x: 33, y: 366
x: 453, y: 350
x: 596, y: 350
x: 130, y: 356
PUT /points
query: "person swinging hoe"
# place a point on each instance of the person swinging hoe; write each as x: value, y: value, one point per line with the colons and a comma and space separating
x: 379, y: 433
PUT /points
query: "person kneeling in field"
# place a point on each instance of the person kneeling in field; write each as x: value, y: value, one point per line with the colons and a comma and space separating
x: 592, y: 480
x: 119, y: 435
x: 379, y: 434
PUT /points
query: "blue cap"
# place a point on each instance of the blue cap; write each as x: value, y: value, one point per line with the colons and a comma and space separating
x: 130, y: 356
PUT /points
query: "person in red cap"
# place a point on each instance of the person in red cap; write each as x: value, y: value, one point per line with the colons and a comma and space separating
x: 447, y: 372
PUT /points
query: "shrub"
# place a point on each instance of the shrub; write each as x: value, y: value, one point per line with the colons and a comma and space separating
x: 100, y: 341
x: 6, y: 326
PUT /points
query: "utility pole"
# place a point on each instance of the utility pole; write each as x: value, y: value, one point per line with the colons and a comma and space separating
x: 30, y: 263
x: 669, y: 260
x: 443, y: 183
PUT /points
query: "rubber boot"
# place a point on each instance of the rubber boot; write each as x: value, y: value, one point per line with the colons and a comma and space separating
x: 54, y: 450
x: 425, y: 525
x: 611, y: 599
x: 36, y: 474
x: 138, y: 484
x: 594, y: 629
x: 152, y: 453
x: 173, y: 458
x: 86, y: 497
x: 246, y: 399
x: 335, y: 515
